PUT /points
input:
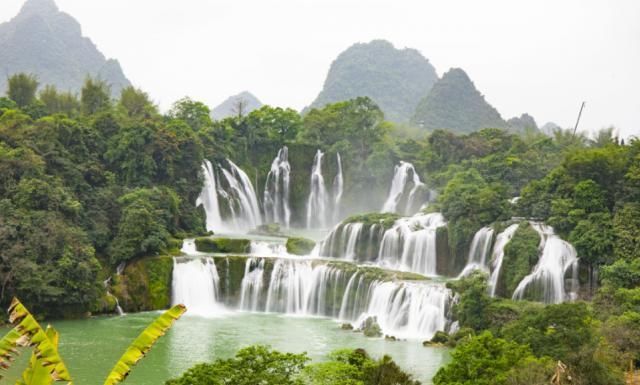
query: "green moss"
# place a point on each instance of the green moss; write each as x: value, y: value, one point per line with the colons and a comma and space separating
x: 223, y: 245
x: 372, y: 273
x: 387, y: 220
x: 520, y: 256
x: 300, y: 246
x: 145, y: 284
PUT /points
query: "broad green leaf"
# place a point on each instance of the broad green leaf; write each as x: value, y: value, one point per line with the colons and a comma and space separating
x: 142, y: 344
x: 27, y: 332
x: 36, y: 372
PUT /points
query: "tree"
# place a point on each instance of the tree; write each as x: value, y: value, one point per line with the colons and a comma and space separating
x: 486, y: 360
x: 252, y: 365
x: 95, y: 96
x: 471, y: 310
x: 196, y: 114
x: 22, y: 89
x: 136, y: 103
x: 59, y: 102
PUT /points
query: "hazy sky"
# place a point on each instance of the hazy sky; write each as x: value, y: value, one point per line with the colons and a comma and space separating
x: 541, y: 57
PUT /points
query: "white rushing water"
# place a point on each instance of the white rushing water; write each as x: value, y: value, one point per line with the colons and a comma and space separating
x: 409, y: 245
x: 276, y: 190
x: 478, y: 251
x: 404, y: 193
x: 497, y: 256
x: 413, y: 310
x: 338, y: 189
x: 195, y: 284
x: 317, y: 203
x: 547, y: 283
x: 231, y: 187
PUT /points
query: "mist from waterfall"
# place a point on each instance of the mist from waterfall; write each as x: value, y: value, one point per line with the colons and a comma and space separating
x: 318, y: 201
x: 276, y: 190
x: 232, y: 188
x: 405, y: 192
x: 548, y: 283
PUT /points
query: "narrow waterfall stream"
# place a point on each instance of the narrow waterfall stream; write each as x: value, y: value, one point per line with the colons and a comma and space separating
x: 276, y: 190
x: 318, y: 202
x: 497, y: 256
x: 338, y: 189
x: 478, y: 251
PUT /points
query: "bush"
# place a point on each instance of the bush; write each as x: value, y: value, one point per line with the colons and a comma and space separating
x: 300, y: 246
x: 520, y: 256
x: 223, y: 245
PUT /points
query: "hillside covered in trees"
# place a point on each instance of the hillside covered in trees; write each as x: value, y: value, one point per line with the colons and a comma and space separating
x: 395, y: 79
x: 48, y: 43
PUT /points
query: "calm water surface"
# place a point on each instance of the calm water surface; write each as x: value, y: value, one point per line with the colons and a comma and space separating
x: 91, y: 347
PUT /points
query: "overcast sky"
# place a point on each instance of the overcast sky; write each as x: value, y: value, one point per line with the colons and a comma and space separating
x: 541, y: 57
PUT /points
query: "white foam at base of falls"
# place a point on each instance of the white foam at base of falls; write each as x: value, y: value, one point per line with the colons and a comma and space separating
x: 195, y: 284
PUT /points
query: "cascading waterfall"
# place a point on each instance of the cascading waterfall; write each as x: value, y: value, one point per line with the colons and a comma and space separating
x: 338, y: 187
x: 300, y: 287
x: 478, y: 252
x: 276, y: 190
x: 209, y: 198
x: 497, y: 256
x: 236, y: 191
x: 408, y: 310
x: 547, y: 282
x: 405, y: 195
x: 318, y: 200
x: 195, y: 284
x: 410, y: 245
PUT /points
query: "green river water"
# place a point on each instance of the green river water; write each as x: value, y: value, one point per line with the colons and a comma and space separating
x: 90, y: 347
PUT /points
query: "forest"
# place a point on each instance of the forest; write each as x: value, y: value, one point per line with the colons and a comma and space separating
x: 91, y: 184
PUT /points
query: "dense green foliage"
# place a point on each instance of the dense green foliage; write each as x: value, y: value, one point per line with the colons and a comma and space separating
x: 395, y: 79
x: 262, y: 365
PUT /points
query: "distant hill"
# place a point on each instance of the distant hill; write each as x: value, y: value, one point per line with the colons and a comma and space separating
x: 396, y: 79
x: 454, y: 103
x: 522, y: 123
x: 49, y: 44
x: 230, y: 106
x: 550, y: 128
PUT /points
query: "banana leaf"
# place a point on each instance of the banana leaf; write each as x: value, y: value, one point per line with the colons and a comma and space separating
x: 27, y: 332
x: 142, y: 344
x: 36, y: 373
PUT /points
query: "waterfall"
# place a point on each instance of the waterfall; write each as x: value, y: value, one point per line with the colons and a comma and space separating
x: 408, y: 310
x: 195, y: 284
x: 209, y: 198
x: 410, y: 245
x: 547, y: 281
x: 480, y: 246
x: 405, y: 194
x: 251, y: 286
x: 497, y: 256
x: 236, y: 190
x: 317, y: 203
x: 276, y: 190
x: 338, y: 187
